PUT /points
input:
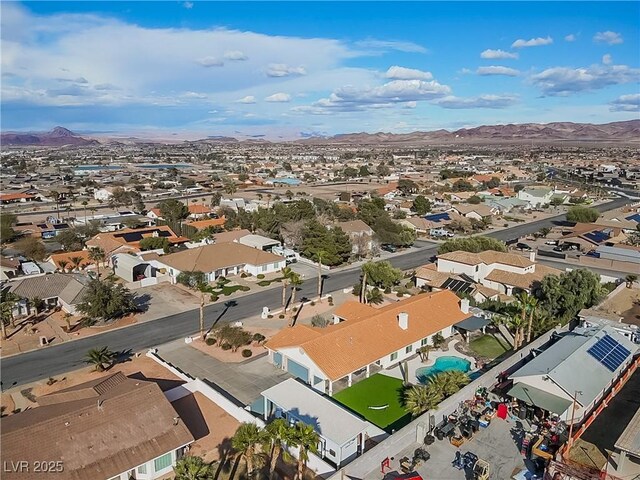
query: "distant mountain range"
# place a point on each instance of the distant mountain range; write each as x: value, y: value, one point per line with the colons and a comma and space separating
x: 616, y: 132
x: 58, y: 137
x: 558, y: 131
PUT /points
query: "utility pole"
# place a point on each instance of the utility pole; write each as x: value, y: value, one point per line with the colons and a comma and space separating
x: 573, y: 414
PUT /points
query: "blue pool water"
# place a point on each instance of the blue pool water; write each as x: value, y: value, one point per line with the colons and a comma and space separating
x: 443, y: 364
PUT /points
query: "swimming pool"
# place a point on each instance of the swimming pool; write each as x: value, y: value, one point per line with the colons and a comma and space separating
x: 443, y: 364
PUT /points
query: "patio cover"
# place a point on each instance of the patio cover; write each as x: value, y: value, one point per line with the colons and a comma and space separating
x: 539, y: 398
x: 472, y: 323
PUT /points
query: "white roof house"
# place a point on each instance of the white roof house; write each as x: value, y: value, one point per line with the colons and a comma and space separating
x: 342, y: 434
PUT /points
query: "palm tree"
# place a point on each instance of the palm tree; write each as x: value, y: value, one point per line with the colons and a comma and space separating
x: 286, y: 275
x: 295, y: 281
x: 84, y: 206
x: 67, y: 319
x: 230, y: 187
x: 99, y: 357
x: 525, y: 305
x: 247, y: 437
x: 279, y: 433
x: 98, y: 256
x: 320, y: 254
x: 424, y: 352
x: 193, y: 468
x: 76, y: 261
x: 56, y: 197
x: 63, y: 265
x: 516, y: 323
x: 420, y: 398
x: 375, y: 296
x: 9, y: 300
x: 306, y: 439
x: 533, y: 304
x: 268, y: 200
x: 630, y: 280
x: 451, y: 381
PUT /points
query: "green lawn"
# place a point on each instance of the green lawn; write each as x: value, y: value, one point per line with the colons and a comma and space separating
x: 489, y: 346
x: 377, y: 390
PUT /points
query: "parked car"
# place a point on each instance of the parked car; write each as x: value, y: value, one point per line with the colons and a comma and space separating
x: 593, y: 253
x: 551, y: 242
x: 523, y: 246
x: 387, y: 247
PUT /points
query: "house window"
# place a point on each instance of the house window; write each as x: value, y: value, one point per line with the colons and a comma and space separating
x: 424, y: 342
x: 162, y: 462
x: 408, y: 349
x: 332, y: 453
x: 142, y: 469
x: 393, y: 356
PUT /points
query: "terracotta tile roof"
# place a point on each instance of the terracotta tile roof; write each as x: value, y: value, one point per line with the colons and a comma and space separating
x: 293, y: 336
x: 131, y: 237
x: 219, y: 255
x: 231, y: 236
x: 432, y: 277
x: 6, y: 197
x: 197, y: 209
x: 97, y: 429
x: 210, y: 222
x: 9, y: 262
x: 352, y: 310
x: 349, y: 346
x: 487, y: 257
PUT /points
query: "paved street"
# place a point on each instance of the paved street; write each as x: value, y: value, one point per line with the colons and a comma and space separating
x: 55, y: 360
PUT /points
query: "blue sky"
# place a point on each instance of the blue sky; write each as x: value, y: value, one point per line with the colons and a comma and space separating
x: 287, y: 70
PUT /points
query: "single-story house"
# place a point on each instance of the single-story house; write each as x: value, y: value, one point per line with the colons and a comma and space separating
x: 109, y: 428
x: 221, y: 260
x: 475, y: 212
x: 129, y: 239
x: 56, y: 289
x: 342, y: 434
x: 9, y: 268
x: 586, y: 360
x: 68, y: 259
x: 132, y: 268
x: 536, y: 196
x: 364, y: 338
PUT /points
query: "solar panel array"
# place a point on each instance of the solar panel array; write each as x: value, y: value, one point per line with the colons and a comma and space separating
x: 609, y: 353
x: 597, y: 236
x: 438, y: 217
x: 458, y: 286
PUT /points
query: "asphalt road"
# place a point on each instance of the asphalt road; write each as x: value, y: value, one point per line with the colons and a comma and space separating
x: 58, y: 359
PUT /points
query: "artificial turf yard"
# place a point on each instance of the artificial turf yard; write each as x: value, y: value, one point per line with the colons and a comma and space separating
x: 489, y: 346
x: 377, y: 390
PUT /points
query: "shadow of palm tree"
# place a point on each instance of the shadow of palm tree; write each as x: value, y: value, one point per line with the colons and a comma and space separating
x: 227, y: 305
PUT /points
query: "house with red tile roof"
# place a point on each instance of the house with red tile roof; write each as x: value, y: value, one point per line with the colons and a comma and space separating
x: 364, y: 339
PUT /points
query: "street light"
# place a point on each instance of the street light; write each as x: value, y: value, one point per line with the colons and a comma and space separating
x: 573, y: 414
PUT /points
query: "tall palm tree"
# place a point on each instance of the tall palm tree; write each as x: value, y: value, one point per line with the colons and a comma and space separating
x: 193, y: 468
x: 516, y: 323
x: 320, y: 254
x: 295, y: 281
x: 84, y: 206
x: 306, y: 439
x: 63, y: 265
x: 9, y: 300
x: 533, y: 305
x: 245, y: 441
x: 524, y: 304
x: 420, y: 398
x: 100, y: 358
x: 279, y: 433
x: 97, y: 256
x: 451, y: 381
x: 56, y: 197
x: 286, y: 275
x: 76, y: 261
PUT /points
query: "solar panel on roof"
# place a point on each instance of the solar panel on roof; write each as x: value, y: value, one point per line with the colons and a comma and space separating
x: 457, y: 286
x: 597, y: 236
x: 437, y: 217
x: 609, y: 353
x: 635, y: 217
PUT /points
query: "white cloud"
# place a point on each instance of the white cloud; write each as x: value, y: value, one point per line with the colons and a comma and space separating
x: 626, y: 103
x: 571, y: 37
x: 534, y: 42
x: 210, y: 62
x: 248, y: 99
x: 194, y: 95
x: 396, y: 92
x: 498, y: 70
x: 483, y: 101
x: 608, y: 37
x: 278, y: 98
x: 284, y: 70
x: 563, y: 81
x: 386, y: 45
x: 188, y: 5
x: 606, y: 59
x: 497, y: 54
x: 402, y: 73
x: 235, y: 55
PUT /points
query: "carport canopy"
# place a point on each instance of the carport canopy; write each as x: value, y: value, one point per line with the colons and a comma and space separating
x: 472, y: 323
x: 539, y: 398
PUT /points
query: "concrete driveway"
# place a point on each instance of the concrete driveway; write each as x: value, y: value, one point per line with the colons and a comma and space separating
x: 244, y: 381
x: 164, y: 299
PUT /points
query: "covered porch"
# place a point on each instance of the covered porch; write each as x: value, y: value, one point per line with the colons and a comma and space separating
x: 336, y: 386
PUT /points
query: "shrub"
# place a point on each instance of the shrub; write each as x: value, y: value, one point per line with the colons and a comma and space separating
x: 51, y: 381
x: 269, y: 316
x: 387, y: 290
x: 313, y: 304
x: 295, y: 309
x: 319, y: 321
x: 243, y: 275
x: 264, y: 283
x: 226, y: 346
x: 260, y: 276
x: 246, y: 353
x: 210, y: 341
x: 214, y: 297
x: 281, y: 316
x: 244, y: 288
x: 258, y: 338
